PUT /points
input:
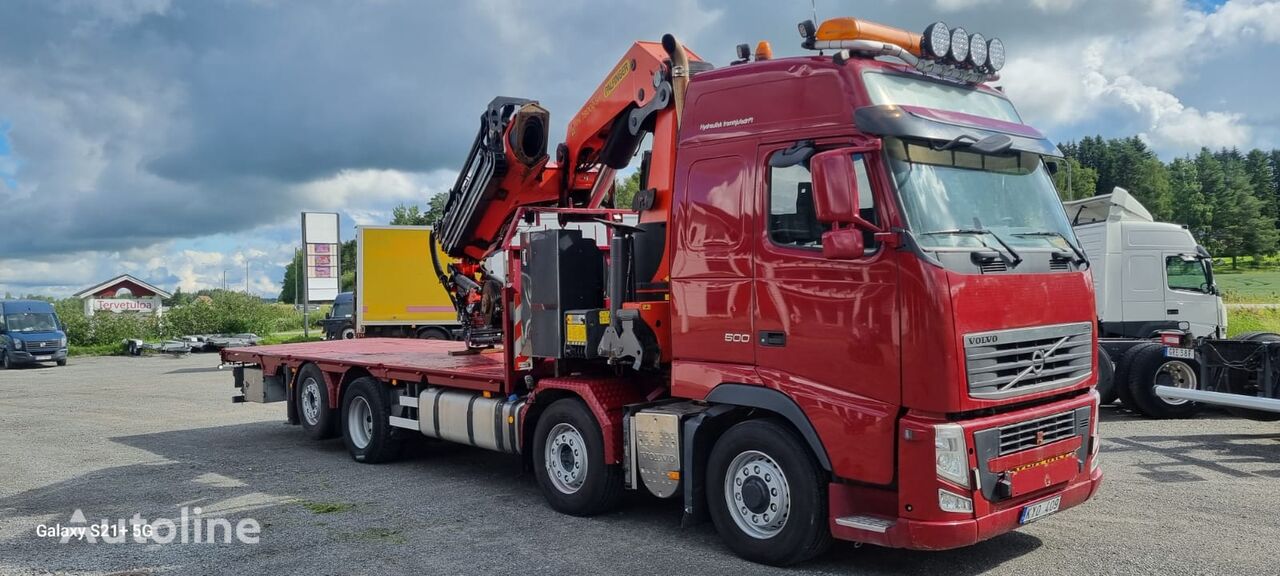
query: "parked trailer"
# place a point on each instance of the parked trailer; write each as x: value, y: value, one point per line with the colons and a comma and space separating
x: 807, y: 333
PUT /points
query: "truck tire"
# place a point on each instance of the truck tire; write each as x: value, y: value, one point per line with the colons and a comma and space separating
x: 767, y: 494
x: 365, y: 429
x: 1148, y: 367
x: 568, y: 461
x: 1106, y: 377
x: 432, y: 334
x: 348, y: 333
x: 1121, y: 379
x: 1239, y: 386
x: 318, y: 420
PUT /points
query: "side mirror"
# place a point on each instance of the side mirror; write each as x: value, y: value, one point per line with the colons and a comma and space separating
x: 843, y: 244
x: 835, y: 187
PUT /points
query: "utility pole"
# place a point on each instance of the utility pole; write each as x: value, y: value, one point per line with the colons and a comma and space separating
x: 224, y: 279
x: 246, y: 275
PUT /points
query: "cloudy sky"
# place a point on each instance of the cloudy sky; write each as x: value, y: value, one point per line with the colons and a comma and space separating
x: 177, y: 140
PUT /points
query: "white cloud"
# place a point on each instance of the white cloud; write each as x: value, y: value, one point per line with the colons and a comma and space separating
x: 1083, y: 78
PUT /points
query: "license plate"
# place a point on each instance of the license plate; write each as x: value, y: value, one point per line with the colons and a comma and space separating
x: 1185, y: 353
x: 38, y: 358
x: 1033, y: 512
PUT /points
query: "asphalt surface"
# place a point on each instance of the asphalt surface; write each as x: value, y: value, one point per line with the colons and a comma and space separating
x: 114, y: 437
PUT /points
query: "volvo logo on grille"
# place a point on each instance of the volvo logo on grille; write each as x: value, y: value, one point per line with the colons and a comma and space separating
x: 979, y: 340
x: 1040, y: 438
x: 1037, y: 362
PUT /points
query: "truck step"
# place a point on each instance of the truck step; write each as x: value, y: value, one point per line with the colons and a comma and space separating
x: 878, y: 524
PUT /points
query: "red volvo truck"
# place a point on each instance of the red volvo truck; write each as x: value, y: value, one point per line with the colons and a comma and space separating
x: 845, y: 304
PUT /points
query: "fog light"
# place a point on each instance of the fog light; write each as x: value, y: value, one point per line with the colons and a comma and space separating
x: 950, y: 502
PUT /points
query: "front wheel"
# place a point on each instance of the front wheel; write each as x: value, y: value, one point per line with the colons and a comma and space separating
x: 767, y: 494
x: 62, y: 362
x: 568, y: 460
x: 1148, y: 368
x: 5, y: 362
x: 348, y: 333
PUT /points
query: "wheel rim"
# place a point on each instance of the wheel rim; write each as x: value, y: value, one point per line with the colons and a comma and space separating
x: 349, y: 334
x: 757, y: 494
x: 1175, y: 374
x: 360, y: 422
x: 311, y: 400
x: 566, y: 458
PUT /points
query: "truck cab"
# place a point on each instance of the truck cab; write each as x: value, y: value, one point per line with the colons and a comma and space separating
x: 30, y: 332
x: 1148, y: 276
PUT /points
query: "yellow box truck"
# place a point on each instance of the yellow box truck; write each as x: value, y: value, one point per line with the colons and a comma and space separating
x: 397, y: 291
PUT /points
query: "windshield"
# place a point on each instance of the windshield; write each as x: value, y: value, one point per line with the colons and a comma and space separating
x: 904, y: 90
x: 31, y: 322
x: 950, y: 196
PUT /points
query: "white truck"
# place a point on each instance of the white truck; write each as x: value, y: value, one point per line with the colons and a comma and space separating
x: 1161, y: 318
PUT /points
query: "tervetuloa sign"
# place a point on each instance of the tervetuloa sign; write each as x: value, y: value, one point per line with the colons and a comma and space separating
x: 123, y: 294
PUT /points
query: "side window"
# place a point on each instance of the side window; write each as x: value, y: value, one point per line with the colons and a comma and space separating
x: 792, y: 219
x: 1185, y: 275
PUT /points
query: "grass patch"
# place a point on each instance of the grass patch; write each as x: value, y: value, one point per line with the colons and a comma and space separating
x: 96, y: 350
x: 326, y: 507
x: 292, y: 338
x: 1240, y: 320
x: 1248, y: 286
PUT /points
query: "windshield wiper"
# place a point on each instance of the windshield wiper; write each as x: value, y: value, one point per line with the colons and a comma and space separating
x: 1009, y: 254
x: 1080, y: 257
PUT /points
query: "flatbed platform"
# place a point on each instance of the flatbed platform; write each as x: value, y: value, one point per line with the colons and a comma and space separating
x: 435, y: 362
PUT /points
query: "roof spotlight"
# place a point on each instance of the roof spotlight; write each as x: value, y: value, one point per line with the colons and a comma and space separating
x: 937, y: 40
x: 995, y: 54
x: 959, y: 45
x: 977, y: 50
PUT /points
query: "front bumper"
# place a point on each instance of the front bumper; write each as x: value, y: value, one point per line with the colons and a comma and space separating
x: 25, y: 357
x: 943, y: 535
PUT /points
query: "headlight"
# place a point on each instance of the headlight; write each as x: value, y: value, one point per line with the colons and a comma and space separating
x: 62, y: 342
x: 17, y: 344
x: 937, y: 40
x: 950, y: 502
x: 995, y: 54
x: 959, y: 45
x: 951, y: 453
x: 978, y: 50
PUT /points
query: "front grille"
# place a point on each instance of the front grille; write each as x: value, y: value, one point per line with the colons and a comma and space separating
x: 1007, y: 363
x: 44, y: 346
x: 1038, y: 432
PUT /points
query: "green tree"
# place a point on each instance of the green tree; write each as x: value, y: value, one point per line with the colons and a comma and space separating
x: 624, y: 190
x: 412, y: 215
x: 1083, y: 180
x: 289, y: 286
x: 1262, y: 178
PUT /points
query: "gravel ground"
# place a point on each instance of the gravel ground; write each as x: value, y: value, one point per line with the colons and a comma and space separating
x: 114, y: 437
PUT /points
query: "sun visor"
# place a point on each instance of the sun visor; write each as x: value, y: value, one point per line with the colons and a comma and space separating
x: 944, y: 126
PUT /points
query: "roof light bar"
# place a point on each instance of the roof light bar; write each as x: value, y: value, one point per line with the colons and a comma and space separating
x: 950, y: 53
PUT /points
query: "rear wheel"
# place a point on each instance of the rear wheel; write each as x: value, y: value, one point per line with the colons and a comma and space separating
x: 366, y: 431
x: 1242, y: 384
x: 1106, y: 377
x: 767, y: 494
x: 432, y: 334
x: 1148, y: 368
x: 568, y: 455
x: 312, y: 396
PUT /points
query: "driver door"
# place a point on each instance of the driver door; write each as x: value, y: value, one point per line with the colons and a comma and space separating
x: 827, y: 330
